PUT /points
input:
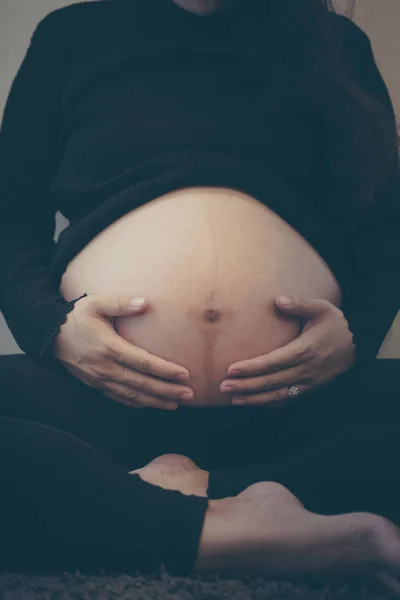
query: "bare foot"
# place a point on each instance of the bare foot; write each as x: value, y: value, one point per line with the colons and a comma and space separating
x: 175, y: 472
x: 267, y: 530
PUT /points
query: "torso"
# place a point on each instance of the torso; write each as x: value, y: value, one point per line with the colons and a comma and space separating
x: 210, y: 261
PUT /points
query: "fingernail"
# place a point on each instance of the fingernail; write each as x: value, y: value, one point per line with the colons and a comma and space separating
x: 225, y: 387
x: 233, y: 372
x: 187, y: 396
x: 171, y: 406
x: 238, y: 401
x: 284, y: 300
x: 183, y: 377
x: 138, y: 302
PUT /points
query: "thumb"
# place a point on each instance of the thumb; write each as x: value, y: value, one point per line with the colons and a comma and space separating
x: 304, y: 307
x: 119, y: 306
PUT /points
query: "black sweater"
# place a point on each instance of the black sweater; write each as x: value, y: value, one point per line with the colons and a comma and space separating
x: 116, y: 103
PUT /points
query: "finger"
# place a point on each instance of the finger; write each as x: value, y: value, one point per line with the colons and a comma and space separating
x: 287, y: 356
x: 280, y: 379
x: 275, y: 399
x: 116, y: 306
x: 127, y: 354
x: 136, y: 381
x: 137, y: 400
x: 304, y: 307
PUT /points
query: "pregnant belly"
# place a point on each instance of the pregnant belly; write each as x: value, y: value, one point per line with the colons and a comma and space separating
x: 210, y: 262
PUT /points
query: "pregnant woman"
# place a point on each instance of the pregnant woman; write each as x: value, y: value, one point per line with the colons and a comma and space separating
x: 212, y: 158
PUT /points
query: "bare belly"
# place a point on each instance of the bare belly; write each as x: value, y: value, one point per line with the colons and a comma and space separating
x: 210, y: 261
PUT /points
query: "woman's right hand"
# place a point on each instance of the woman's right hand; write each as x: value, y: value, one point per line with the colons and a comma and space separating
x: 89, y: 348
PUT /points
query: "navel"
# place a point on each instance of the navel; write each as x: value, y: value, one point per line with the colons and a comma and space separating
x: 212, y: 316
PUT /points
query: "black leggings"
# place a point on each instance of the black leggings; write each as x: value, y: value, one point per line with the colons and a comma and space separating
x: 67, y: 501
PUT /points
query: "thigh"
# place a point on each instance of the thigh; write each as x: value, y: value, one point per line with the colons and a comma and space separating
x: 132, y: 437
x: 364, y: 395
x: 51, y: 396
x: 369, y: 393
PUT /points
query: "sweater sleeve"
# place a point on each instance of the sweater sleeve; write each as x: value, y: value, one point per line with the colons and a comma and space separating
x: 372, y: 300
x: 29, y: 155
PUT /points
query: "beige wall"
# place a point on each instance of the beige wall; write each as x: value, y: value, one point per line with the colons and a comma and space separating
x: 380, y: 19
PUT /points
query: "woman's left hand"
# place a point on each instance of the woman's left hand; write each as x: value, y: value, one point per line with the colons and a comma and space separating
x: 322, y: 351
